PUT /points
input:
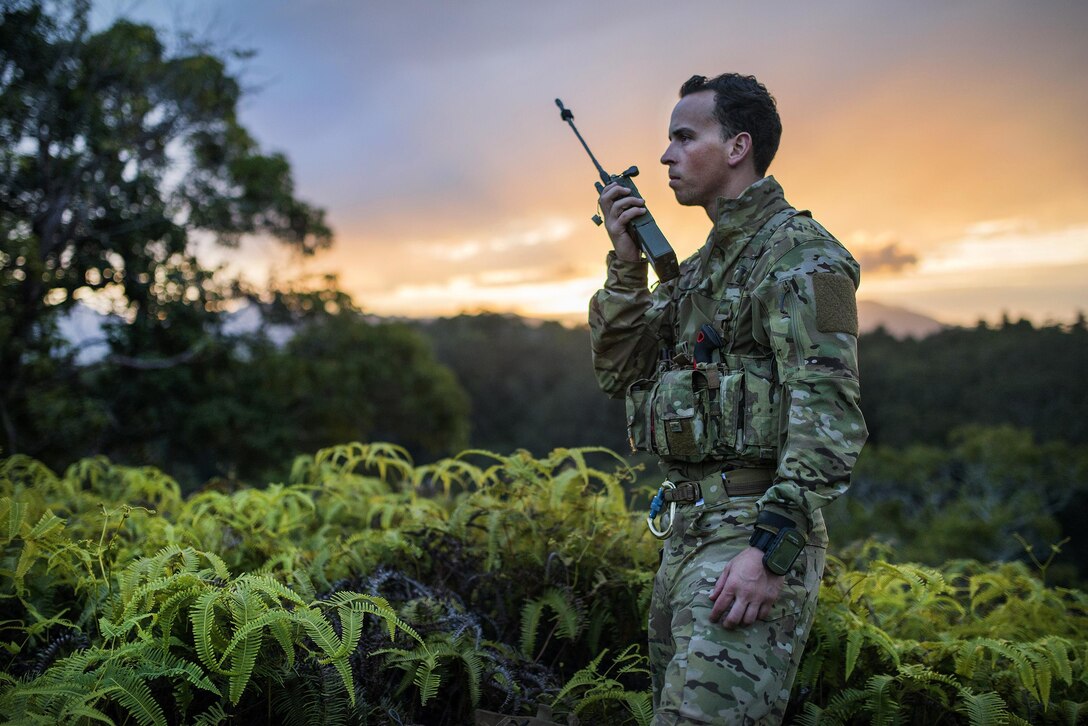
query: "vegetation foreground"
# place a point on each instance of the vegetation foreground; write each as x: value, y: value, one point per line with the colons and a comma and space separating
x: 368, y: 590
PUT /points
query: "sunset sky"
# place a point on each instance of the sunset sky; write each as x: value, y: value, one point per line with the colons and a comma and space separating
x: 943, y: 142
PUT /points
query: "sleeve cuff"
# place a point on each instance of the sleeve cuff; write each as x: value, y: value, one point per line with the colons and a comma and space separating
x: 799, y: 518
x: 626, y: 275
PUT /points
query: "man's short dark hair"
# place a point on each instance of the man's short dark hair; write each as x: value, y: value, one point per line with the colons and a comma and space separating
x: 741, y: 103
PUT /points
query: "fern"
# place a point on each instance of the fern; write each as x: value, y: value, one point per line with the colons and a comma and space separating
x: 420, y: 665
x: 880, y: 701
x: 984, y: 709
x: 487, y: 543
x: 426, y: 679
x: 247, y: 616
x: 213, y: 716
x: 568, y: 618
x: 590, y: 687
x: 135, y: 696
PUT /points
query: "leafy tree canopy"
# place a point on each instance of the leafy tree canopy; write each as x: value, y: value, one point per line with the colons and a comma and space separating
x: 116, y: 153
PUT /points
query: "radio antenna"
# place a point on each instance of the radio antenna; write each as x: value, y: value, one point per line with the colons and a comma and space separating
x: 567, y: 115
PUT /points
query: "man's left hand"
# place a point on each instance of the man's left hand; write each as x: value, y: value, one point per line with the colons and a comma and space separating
x: 745, y: 591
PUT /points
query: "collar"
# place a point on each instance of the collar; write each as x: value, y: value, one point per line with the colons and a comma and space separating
x: 740, y: 218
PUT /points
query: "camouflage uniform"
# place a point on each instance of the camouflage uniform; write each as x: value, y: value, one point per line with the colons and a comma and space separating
x: 781, y: 394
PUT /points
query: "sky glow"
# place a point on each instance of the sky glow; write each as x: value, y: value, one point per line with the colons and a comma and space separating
x: 942, y: 142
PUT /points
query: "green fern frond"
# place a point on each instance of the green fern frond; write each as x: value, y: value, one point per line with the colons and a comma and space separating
x: 172, y: 606
x: 883, y: 708
x: 588, y: 676
x: 427, y: 679
x: 269, y: 586
x: 638, y: 703
x: 984, y: 709
x: 321, y: 632
x: 142, y: 597
x: 83, y: 711
x: 447, y: 473
x: 641, y: 706
x: 1057, y: 652
x: 202, y: 615
x: 971, y: 652
x: 935, y: 687
x: 384, y: 457
x: 157, y: 664
x: 373, y: 605
x: 120, y: 630
x: 219, y: 567
x: 474, y: 670
x: 247, y: 615
x: 854, y: 641
x: 813, y: 715
x: 47, y: 524
x: 1041, y: 667
x: 26, y: 471
x: 568, y: 618
x: 282, y: 632
x: 27, y: 557
x: 631, y: 660
x: 136, y: 697
x: 530, y: 622
x: 13, y: 513
x: 1073, y: 713
x: 213, y: 716
x: 861, y: 633
x: 846, y: 704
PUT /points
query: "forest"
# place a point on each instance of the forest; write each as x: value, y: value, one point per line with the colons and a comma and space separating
x: 331, y: 517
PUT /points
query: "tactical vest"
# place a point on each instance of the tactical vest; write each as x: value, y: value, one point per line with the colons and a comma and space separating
x: 727, y: 408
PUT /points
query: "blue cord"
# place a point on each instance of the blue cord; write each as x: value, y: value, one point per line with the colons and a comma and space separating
x: 657, y: 503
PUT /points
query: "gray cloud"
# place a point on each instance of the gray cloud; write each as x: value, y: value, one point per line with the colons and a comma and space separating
x: 888, y: 258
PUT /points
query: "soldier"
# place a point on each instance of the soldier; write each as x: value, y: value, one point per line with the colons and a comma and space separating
x: 742, y: 375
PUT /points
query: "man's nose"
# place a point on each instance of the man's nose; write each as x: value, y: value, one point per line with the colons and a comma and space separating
x: 667, y: 158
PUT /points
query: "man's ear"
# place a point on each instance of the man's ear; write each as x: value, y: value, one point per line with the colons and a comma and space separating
x: 739, y: 149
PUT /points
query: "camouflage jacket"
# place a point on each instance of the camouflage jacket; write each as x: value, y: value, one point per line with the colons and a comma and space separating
x: 787, y: 372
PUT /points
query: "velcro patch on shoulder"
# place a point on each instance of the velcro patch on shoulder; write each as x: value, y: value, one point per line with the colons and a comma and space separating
x: 836, y: 307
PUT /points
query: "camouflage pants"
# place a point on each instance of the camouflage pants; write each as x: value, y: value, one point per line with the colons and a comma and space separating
x: 703, y: 673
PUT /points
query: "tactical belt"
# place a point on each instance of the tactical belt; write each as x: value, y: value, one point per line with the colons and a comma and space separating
x: 735, y: 483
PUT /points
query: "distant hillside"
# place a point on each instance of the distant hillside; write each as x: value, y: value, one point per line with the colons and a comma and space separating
x: 897, y: 322
x: 83, y: 327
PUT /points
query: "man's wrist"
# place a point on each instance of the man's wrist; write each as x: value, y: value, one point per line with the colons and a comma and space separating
x: 779, y: 540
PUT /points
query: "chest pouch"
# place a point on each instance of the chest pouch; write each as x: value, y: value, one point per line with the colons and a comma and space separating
x: 682, y: 422
x: 680, y: 415
x: 709, y: 411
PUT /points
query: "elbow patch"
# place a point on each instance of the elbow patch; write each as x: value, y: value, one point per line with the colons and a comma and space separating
x: 836, y: 307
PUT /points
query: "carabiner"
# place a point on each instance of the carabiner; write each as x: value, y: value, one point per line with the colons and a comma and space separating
x: 655, y: 509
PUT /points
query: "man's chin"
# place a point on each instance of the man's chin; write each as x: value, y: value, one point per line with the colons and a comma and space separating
x: 685, y: 200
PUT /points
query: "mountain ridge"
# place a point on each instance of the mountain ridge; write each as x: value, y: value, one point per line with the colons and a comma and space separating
x: 82, y: 326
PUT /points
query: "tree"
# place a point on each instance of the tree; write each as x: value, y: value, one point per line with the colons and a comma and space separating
x: 245, y: 407
x: 116, y: 153
x: 342, y: 378
x: 531, y: 384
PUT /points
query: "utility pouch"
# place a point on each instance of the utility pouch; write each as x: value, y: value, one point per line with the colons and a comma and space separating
x: 759, y: 410
x: 709, y: 411
x: 730, y: 419
x: 682, y: 426
x: 639, y: 426
x: 673, y: 416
